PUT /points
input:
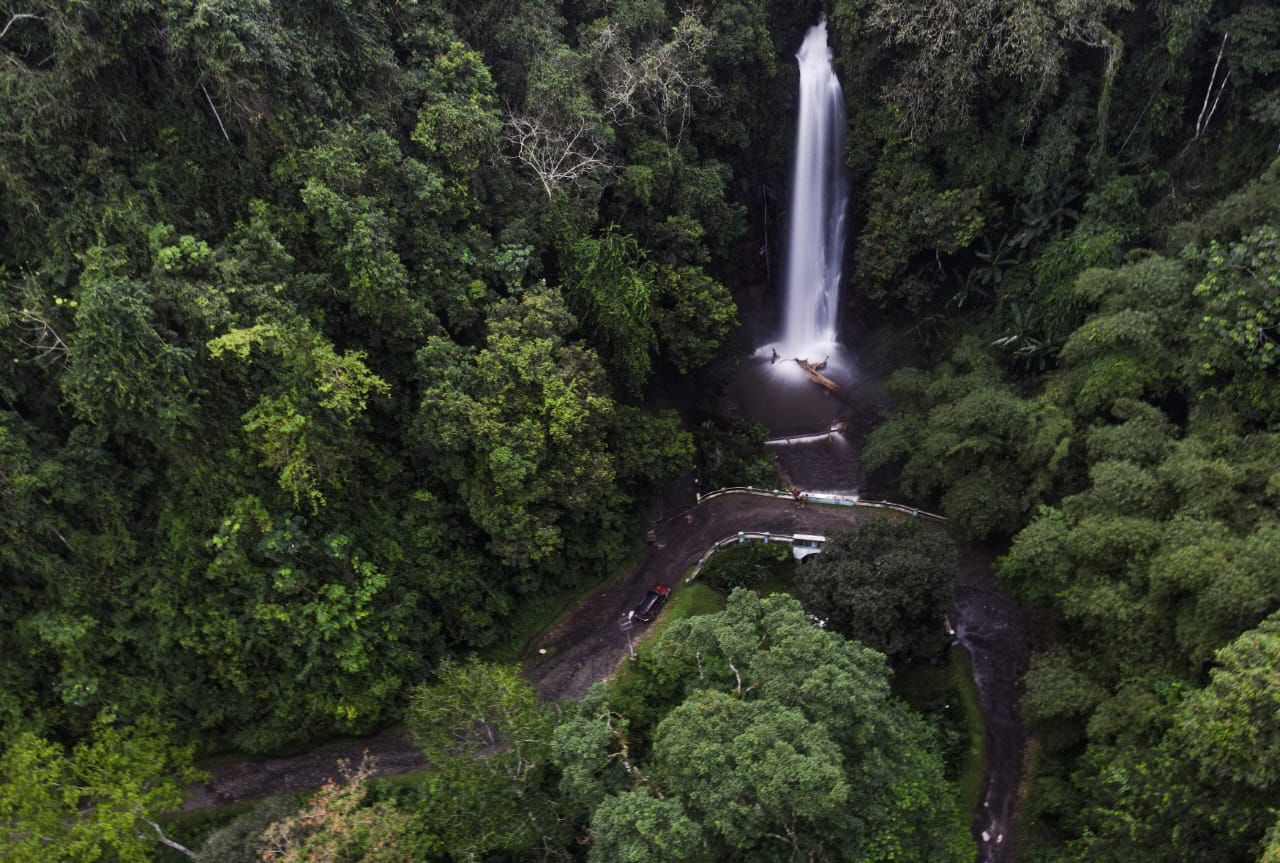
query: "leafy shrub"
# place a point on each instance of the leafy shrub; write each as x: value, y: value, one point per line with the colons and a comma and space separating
x: 884, y: 584
x: 749, y: 565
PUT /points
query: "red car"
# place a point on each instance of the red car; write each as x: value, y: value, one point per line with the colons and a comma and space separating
x: 652, y: 603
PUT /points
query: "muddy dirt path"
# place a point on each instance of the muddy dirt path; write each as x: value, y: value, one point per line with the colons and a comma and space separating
x: 392, y: 754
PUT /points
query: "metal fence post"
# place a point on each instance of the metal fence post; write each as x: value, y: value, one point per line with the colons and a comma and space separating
x: 626, y: 625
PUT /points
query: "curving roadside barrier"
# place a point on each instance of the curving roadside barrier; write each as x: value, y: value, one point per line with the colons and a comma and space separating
x: 823, y: 497
x: 807, y: 541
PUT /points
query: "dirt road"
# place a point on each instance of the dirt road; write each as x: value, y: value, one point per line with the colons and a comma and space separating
x: 249, y: 780
x: 586, y: 646
x: 583, y: 648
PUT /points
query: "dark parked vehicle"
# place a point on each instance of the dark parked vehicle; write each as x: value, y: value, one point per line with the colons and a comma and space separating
x: 652, y: 603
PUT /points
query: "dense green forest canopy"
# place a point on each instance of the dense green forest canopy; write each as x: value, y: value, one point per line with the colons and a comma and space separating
x: 333, y: 332
x: 326, y: 330
x: 748, y: 734
x: 1090, y: 261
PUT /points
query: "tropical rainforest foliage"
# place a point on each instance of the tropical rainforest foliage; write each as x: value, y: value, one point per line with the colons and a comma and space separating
x: 1084, y: 231
x: 749, y: 734
x: 326, y: 328
x: 334, y: 330
x: 886, y: 585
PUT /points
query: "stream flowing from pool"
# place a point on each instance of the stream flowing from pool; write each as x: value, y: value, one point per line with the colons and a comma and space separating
x: 817, y: 429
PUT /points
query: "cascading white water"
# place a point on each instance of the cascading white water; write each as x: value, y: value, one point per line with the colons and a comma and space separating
x: 819, y: 198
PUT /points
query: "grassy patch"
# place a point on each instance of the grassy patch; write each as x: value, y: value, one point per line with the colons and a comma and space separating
x: 687, y: 600
x: 767, y: 567
x: 1032, y: 832
x: 780, y: 581
x: 537, y: 613
x: 973, y: 764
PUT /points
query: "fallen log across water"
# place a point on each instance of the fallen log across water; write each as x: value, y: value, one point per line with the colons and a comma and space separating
x: 813, y: 370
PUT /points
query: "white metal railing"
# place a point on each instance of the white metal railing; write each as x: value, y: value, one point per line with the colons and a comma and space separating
x: 824, y: 497
x: 734, y: 539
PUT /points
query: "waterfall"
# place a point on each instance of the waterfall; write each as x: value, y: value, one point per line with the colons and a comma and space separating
x: 819, y: 199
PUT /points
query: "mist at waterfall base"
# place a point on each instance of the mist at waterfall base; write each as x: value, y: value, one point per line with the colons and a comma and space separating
x: 772, y: 388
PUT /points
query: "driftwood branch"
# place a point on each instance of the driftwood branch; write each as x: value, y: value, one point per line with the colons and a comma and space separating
x: 814, y: 371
